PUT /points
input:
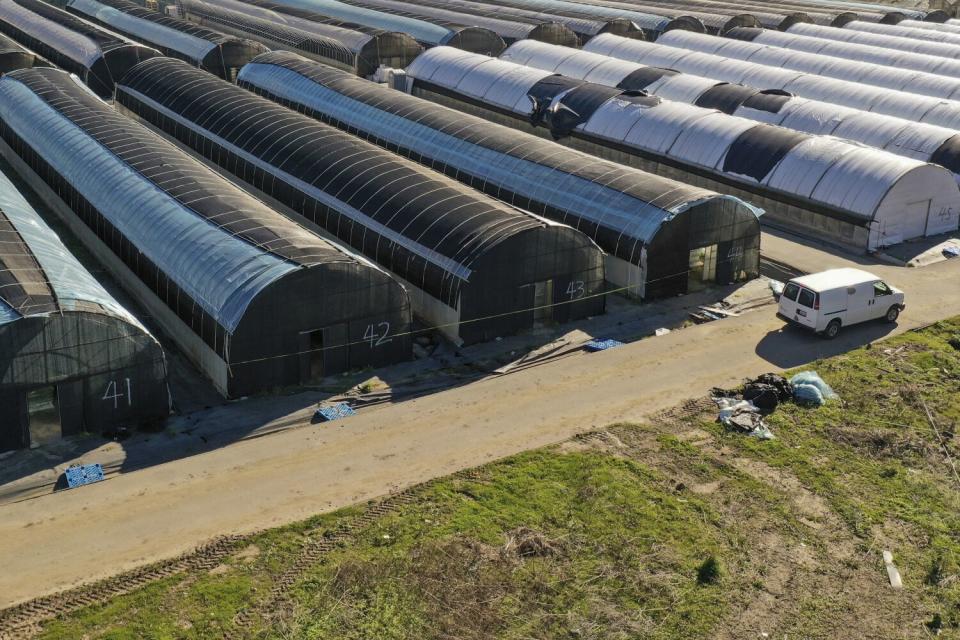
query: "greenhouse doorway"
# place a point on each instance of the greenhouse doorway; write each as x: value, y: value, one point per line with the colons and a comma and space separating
x: 311, y: 356
x: 542, y: 302
x: 702, y: 268
x: 43, y: 416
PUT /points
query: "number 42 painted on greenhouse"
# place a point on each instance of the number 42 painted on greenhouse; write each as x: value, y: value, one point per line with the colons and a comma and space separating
x: 378, y: 334
x: 113, y: 392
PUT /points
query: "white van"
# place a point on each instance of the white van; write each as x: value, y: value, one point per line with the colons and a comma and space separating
x: 827, y: 301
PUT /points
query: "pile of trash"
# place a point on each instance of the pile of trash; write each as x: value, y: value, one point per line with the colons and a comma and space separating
x: 743, y: 409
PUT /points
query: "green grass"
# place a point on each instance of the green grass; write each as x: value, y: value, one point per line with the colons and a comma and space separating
x: 659, y: 531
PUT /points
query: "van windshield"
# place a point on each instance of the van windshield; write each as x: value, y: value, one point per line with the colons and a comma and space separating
x: 806, y: 298
x: 790, y: 291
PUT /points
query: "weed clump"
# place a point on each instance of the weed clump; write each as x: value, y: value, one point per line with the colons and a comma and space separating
x: 710, y: 571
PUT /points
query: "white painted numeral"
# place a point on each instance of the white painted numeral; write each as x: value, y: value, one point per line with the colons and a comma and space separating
x: 377, y: 334
x: 575, y: 289
x: 112, y: 393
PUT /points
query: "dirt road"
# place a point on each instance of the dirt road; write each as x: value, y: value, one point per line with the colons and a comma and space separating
x: 59, y: 540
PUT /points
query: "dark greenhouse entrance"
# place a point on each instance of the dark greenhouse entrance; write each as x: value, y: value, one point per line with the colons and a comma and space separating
x: 43, y: 416
x: 311, y: 356
x: 702, y: 268
x: 542, y: 302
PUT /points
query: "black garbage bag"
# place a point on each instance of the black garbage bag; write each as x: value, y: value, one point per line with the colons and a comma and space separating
x: 782, y: 385
x: 766, y: 397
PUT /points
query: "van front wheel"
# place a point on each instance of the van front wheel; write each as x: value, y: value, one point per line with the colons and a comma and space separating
x: 832, y: 330
x: 893, y: 313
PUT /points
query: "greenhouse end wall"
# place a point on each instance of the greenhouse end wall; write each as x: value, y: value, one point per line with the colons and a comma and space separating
x: 105, y: 374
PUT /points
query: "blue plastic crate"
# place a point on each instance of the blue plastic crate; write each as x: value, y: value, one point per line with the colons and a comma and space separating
x: 335, y: 412
x: 81, y: 474
x: 603, y: 345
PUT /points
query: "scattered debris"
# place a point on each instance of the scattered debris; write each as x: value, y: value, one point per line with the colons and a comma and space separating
x: 79, y: 475
x: 602, y: 344
x: 892, y: 572
x: 334, y: 412
x: 810, y: 389
x: 662, y: 331
x: 951, y: 251
x: 776, y: 287
x: 744, y: 416
x: 715, y: 310
x: 529, y: 543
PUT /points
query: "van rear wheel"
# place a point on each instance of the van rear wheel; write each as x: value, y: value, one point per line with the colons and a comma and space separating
x: 832, y: 330
x: 893, y: 313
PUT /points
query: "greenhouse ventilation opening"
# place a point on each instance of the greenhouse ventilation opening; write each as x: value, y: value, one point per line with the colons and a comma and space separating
x: 219, y: 54
x: 97, y: 56
x: 72, y: 359
x: 647, y: 225
x: 476, y: 267
x: 254, y: 300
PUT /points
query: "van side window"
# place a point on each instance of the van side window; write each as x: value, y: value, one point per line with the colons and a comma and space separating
x: 806, y: 298
x: 790, y: 291
x: 881, y: 289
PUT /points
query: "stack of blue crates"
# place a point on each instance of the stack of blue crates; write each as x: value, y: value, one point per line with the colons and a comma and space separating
x: 335, y: 412
x: 598, y: 344
x: 81, y: 474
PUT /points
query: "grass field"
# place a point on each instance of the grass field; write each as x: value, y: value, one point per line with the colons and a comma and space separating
x: 673, y: 529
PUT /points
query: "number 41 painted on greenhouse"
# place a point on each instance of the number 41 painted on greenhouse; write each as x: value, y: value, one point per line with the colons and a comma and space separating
x: 112, y: 393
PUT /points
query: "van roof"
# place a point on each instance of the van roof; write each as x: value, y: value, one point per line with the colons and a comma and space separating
x: 834, y: 278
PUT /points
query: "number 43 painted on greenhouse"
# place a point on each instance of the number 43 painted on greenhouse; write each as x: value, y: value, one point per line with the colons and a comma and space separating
x: 113, y: 392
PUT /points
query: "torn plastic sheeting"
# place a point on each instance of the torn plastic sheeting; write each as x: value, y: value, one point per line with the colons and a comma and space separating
x: 744, y: 416
x: 809, y: 387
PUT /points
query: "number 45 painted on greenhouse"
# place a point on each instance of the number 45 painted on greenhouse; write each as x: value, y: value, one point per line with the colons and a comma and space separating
x: 113, y: 393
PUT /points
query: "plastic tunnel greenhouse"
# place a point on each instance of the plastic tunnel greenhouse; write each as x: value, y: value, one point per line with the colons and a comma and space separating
x: 359, y: 51
x: 509, y: 30
x: 477, y: 269
x: 816, y: 185
x: 649, y: 226
x: 849, y: 70
x: 901, y: 104
x: 97, y: 56
x: 887, y: 41
x: 429, y: 34
x: 254, y: 300
x: 72, y: 359
x: 917, y: 140
x: 584, y: 28
x: 215, y: 52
